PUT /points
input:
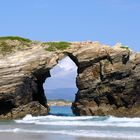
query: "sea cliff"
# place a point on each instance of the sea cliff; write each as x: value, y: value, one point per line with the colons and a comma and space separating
x: 108, y: 78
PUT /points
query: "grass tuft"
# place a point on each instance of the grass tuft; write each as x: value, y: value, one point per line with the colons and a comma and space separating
x: 6, y: 48
x: 9, y: 44
x: 54, y: 46
x: 15, y: 38
x: 125, y: 47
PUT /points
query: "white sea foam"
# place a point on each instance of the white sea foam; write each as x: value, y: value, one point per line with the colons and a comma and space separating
x: 81, y: 121
x: 28, y: 117
x: 53, y: 117
x: 85, y: 126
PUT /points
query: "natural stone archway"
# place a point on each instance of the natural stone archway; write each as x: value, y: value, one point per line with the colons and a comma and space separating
x: 40, y: 75
x: 22, y: 76
x: 60, y: 88
x: 108, y: 79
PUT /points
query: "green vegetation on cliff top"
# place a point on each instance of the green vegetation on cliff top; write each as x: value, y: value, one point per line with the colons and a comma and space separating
x: 6, y: 48
x: 125, y: 47
x: 54, y: 46
x: 14, y: 38
x: 7, y: 45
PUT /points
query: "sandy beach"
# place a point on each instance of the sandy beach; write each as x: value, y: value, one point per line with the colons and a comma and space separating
x: 23, y: 136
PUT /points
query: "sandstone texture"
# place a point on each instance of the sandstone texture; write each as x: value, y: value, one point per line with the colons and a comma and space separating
x: 108, y: 79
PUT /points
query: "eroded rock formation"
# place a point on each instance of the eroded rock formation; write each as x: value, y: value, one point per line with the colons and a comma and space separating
x: 108, y: 79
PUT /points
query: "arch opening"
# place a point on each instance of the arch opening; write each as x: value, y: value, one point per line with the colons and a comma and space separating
x: 60, y: 88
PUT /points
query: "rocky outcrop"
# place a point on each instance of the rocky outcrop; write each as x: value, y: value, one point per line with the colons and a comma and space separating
x: 34, y: 108
x: 108, y: 79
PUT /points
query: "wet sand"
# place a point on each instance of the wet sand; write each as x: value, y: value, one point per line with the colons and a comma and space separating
x: 30, y: 136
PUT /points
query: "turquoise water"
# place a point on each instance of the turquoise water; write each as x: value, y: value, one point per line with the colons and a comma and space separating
x: 61, y: 111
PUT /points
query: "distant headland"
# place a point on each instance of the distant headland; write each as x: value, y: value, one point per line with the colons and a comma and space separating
x: 59, y: 102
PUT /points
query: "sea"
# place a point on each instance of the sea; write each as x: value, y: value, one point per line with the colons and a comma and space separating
x: 61, y: 124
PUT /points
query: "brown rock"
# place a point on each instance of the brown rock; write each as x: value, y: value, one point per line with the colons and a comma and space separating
x: 108, y: 79
x: 33, y: 108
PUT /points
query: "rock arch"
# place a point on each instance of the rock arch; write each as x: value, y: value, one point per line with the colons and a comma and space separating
x: 106, y: 85
x: 40, y: 76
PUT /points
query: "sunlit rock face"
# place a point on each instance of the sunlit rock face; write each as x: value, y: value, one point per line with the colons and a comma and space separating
x: 108, y: 79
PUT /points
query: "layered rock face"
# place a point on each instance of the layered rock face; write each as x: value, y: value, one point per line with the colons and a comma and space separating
x: 22, y: 74
x: 108, y: 79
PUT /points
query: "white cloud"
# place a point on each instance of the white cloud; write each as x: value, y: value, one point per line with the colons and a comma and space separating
x: 63, y: 68
x: 63, y: 75
x: 67, y: 64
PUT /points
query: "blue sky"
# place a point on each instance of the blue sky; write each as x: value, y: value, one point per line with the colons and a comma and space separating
x: 107, y: 21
